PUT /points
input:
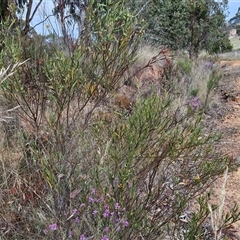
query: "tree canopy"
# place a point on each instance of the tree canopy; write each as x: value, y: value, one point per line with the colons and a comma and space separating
x: 190, y: 25
x: 5, y: 7
x: 236, y: 19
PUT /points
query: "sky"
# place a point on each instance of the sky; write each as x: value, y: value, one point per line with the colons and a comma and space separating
x: 233, y: 6
x: 44, y: 10
x: 47, y: 6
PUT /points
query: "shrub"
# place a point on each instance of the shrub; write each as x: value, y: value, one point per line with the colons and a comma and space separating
x: 76, y: 176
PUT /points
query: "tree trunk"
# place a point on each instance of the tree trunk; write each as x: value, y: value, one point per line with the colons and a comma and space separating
x: 4, y: 10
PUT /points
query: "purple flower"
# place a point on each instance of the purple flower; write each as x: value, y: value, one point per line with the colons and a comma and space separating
x: 95, y: 212
x: 194, y: 103
x: 53, y: 226
x: 125, y: 223
x: 106, y: 213
x: 106, y: 229
x: 45, y: 231
x: 75, y: 211
x: 91, y: 200
x: 112, y: 214
x: 70, y: 234
x: 105, y: 237
x: 82, y: 237
x: 76, y: 220
x: 82, y: 205
x: 118, y: 229
x: 117, y: 206
x: 169, y: 192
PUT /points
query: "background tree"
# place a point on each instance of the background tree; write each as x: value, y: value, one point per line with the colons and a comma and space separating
x: 10, y: 8
x: 189, y: 25
x: 238, y: 30
x: 236, y: 19
x: 5, y: 6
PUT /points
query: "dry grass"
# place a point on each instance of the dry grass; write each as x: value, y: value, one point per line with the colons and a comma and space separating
x: 217, y: 216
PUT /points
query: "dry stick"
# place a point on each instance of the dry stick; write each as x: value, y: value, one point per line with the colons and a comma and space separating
x: 216, y: 218
x: 28, y: 17
x: 142, y: 8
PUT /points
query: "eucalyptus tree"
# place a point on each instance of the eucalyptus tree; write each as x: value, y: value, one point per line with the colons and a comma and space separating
x: 185, y: 24
x: 10, y: 8
x: 236, y: 19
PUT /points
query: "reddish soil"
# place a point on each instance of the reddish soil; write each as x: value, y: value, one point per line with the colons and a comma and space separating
x: 225, y: 118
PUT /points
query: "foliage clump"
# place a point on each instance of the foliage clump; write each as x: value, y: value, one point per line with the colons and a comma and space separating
x: 189, y: 25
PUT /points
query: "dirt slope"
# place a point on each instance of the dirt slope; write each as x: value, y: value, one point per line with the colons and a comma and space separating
x: 225, y: 118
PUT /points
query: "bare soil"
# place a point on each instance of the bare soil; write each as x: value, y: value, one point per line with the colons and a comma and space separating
x: 224, y: 117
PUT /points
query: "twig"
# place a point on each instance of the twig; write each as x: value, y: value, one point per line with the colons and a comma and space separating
x: 143, y: 7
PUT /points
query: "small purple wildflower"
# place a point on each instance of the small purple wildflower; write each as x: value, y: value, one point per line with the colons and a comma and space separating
x: 45, y: 231
x: 106, y: 229
x: 91, y: 200
x: 112, y: 214
x: 95, y: 212
x: 82, y: 237
x: 75, y: 211
x: 117, y: 220
x: 106, y: 213
x: 105, y: 237
x: 169, y: 192
x: 194, y: 103
x: 82, y: 205
x: 53, y: 226
x: 70, y: 234
x: 125, y: 223
x: 117, y: 206
x: 118, y: 229
x: 76, y: 220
